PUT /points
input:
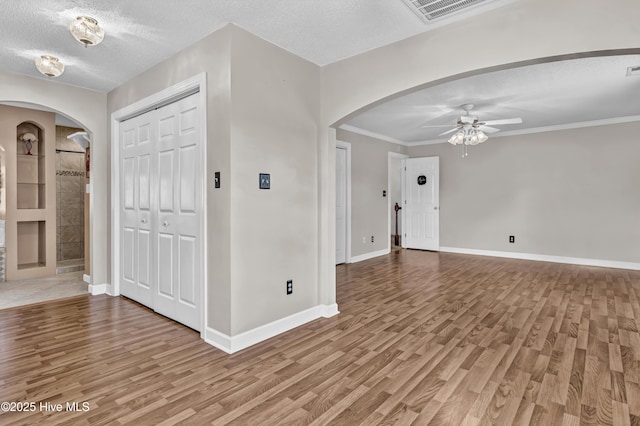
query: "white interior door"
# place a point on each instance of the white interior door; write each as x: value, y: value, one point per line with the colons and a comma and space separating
x: 179, y: 205
x: 421, y: 212
x: 165, y: 185
x: 341, y: 205
x: 136, y: 210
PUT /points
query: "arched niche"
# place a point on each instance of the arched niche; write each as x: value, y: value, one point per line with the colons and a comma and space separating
x: 30, y: 166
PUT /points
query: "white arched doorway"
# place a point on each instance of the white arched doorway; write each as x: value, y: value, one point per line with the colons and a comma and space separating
x: 86, y: 109
x: 376, y: 77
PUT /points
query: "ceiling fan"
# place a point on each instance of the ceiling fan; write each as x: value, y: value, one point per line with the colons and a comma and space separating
x: 471, y: 131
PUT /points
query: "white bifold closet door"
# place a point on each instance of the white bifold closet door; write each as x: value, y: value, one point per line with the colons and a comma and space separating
x: 160, y: 211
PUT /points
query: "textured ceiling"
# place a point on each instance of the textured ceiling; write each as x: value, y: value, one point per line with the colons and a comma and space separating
x: 554, y: 94
x: 142, y: 33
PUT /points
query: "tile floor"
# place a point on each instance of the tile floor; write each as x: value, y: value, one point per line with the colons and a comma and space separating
x: 24, y: 292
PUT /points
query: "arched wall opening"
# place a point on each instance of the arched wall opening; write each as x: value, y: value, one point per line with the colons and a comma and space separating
x: 486, y: 70
x: 338, y: 110
x: 55, y: 187
x: 86, y: 109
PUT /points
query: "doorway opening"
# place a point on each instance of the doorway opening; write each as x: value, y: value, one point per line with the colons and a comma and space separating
x: 395, y: 188
x: 343, y: 202
x: 37, y: 215
x: 72, y: 200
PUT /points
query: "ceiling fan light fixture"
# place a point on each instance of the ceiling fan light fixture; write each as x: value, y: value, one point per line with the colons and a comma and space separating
x: 473, y: 139
x: 86, y: 30
x: 457, y: 138
x: 482, y: 136
x: 477, y: 137
x: 49, y: 66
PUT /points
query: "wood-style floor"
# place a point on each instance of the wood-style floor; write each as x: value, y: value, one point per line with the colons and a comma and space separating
x: 422, y: 338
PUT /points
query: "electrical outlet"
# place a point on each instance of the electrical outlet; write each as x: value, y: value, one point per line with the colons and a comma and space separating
x: 289, y: 286
x: 512, y: 238
x: 372, y: 238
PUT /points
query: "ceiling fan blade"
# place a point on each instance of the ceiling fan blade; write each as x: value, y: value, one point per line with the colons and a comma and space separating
x: 488, y: 129
x: 439, y: 125
x: 449, y: 131
x: 503, y: 121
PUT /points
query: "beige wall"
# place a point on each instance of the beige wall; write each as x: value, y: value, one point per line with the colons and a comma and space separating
x: 263, y: 116
x: 566, y: 193
x: 369, y: 177
x: 275, y: 113
x: 88, y: 108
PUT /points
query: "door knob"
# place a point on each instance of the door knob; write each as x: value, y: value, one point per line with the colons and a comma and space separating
x: 165, y: 223
x: 143, y: 220
x: 435, y: 208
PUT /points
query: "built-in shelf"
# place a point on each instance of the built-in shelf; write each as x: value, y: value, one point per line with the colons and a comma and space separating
x: 31, y: 244
x: 31, y: 265
x: 30, y: 196
x: 28, y: 172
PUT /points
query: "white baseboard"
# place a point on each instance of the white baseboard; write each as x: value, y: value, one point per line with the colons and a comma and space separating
x: 232, y: 344
x: 546, y: 258
x: 96, y: 289
x: 218, y: 340
x: 86, y: 278
x: 371, y: 255
x: 328, y: 311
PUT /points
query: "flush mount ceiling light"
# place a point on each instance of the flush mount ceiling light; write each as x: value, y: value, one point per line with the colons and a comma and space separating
x: 49, y: 66
x: 86, y: 30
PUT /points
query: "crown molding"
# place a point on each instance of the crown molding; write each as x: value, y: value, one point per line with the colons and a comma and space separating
x: 568, y: 126
x: 364, y: 132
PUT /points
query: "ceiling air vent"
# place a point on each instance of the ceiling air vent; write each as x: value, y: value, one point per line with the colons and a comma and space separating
x: 633, y: 71
x: 430, y: 10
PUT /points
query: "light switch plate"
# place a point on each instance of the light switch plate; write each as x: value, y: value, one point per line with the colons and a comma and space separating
x: 265, y: 181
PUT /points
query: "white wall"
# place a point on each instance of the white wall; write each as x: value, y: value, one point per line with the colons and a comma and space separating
x: 569, y: 193
x: 88, y: 108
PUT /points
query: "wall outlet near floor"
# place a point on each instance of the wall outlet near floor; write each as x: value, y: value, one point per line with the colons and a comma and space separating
x: 372, y: 238
x: 512, y: 238
x: 289, y: 286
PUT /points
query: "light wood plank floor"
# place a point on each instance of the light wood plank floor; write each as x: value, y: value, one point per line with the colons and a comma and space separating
x: 422, y: 338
